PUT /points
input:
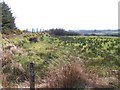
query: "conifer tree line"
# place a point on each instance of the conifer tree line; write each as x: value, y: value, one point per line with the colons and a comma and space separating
x: 7, y: 19
x: 0, y: 16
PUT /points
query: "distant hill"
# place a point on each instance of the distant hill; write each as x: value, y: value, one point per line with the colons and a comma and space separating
x: 97, y: 32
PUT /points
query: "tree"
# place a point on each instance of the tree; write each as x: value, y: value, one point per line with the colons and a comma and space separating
x: 62, y: 32
x: 8, y: 21
x: 57, y: 31
x: 0, y: 16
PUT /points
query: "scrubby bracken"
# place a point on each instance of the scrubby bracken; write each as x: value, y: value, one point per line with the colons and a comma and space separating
x: 12, y: 72
x: 6, y: 57
x: 75, y: 75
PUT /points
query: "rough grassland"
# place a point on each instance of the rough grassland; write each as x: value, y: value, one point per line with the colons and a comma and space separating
x: 99, y: 54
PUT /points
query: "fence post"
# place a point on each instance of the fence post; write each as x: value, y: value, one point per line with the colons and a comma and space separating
x: 32, y: 76
x: 119, y: 79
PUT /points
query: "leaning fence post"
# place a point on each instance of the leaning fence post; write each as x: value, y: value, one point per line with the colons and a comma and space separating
x: 32, y: 76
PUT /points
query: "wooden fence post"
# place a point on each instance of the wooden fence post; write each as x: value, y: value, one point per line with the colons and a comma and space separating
x: 119, y: 79
x: 32, y: 76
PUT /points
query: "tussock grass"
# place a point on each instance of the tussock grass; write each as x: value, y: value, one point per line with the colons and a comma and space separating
x: 75, y: 75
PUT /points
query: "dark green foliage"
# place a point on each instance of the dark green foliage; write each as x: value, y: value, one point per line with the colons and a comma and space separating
x: 62, y: 32
x: 33, y: 39
x: 8, y: 21
x: 0, y: 15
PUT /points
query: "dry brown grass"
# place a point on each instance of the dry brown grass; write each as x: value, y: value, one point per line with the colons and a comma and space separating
x: 6, y: 57
x: 75, y: 75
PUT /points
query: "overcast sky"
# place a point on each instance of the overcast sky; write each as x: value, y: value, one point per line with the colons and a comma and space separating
x: 67, y: 14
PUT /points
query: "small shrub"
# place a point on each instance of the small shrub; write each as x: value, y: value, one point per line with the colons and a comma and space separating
x: 33, y: 39
x: 67, y: 76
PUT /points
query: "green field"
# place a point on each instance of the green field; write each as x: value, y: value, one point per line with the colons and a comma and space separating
x: 99, y: 53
